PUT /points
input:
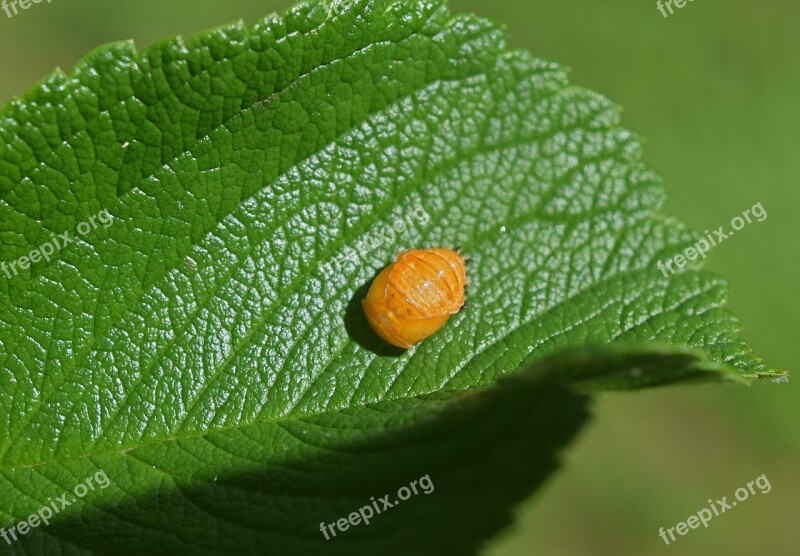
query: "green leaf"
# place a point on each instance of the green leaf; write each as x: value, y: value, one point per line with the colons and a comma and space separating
x: 206, y: 348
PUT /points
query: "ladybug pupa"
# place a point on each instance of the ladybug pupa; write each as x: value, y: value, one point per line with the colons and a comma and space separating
x: 415, y: 295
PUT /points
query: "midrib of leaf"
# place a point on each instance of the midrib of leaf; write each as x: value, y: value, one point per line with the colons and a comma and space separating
x: 442, y: 395
x: 124, y: 450
x: 265, y: 422
x: 132, y: 300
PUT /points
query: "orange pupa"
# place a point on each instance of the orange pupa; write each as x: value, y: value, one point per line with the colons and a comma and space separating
x: 415, y: 295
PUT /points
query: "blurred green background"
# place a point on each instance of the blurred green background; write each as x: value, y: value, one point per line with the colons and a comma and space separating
x: 715, y: 91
